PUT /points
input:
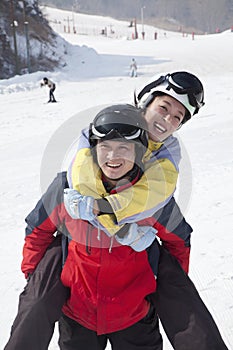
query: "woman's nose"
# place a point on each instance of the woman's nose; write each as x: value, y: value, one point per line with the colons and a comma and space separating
x: 167, y: 117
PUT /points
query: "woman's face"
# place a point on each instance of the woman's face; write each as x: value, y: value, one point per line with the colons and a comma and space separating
x: 164, y: 115
x: 115, y: 158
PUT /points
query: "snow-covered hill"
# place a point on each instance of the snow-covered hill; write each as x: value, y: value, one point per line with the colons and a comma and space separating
x: 98, y: 73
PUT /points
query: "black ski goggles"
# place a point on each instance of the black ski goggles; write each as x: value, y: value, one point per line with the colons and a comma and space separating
x: 183, y: 83
x: 114, y: 131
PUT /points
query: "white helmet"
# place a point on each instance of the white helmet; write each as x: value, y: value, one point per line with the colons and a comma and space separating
x: 183, y: 86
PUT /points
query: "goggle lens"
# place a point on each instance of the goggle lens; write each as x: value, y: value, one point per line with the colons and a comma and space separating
x: 129, y: 132
x: 187, y: 85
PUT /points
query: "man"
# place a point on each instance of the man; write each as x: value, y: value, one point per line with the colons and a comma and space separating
x: 122, y: 313
x: 133, y: 68
x: 52, y: 86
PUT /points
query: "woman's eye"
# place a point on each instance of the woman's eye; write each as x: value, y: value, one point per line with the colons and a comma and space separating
x: 163, y: 108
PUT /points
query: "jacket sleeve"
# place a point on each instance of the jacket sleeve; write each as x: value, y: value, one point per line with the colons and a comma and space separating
x: 42, y: 223
x: 50, y: 83
x: 174, y: 232
x: 155, y: 188
x: 148, y: 195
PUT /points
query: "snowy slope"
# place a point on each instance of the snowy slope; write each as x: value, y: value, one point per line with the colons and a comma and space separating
x: 97, y: 73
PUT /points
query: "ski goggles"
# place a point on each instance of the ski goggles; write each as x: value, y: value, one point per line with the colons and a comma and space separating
x: 182, y: 83
x: 116, y: 131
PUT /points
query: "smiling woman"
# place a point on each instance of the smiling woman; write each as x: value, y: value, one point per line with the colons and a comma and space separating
x: 164, y: 115
x: 169, y: 102
x: 183, y: 86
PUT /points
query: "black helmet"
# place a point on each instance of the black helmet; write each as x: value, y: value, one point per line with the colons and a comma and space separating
x: 121, y: 121
x: 183, y: 86
x: 45, y: 80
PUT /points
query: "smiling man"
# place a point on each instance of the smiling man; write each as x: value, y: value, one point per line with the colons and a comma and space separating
x: 115, y: 158
x: 108, y: 281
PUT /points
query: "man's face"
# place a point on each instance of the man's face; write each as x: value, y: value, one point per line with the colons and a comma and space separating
x: 115, y: 158
x: 163, y: 117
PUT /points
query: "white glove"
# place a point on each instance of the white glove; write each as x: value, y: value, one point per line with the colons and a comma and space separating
x: 78, y: 206
x: 138, y: 237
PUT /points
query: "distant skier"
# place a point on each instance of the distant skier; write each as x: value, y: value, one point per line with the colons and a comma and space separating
x: 52, y: 87
x: 133, y: 68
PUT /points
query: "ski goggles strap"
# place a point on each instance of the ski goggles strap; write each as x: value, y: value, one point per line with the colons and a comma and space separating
x: 151, y: 86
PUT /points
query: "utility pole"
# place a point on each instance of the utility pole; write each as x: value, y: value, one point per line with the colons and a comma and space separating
x: 74, y: 29
x: 14, y: 24
x: 135, y: 29
x: 68, y: 20
x: 142, y: 20
x: 75, y: 7
x: 26, y: 37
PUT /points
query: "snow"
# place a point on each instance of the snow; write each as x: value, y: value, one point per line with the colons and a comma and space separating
x: 35, y: 137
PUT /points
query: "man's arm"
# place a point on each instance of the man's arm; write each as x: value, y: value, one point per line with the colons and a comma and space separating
x: 173, y: 231
x: 42, y: 223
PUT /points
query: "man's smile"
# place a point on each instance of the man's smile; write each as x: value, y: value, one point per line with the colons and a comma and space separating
x: 113, y: 165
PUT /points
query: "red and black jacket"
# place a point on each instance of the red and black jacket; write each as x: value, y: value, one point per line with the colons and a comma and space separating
x: 108, y: 289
